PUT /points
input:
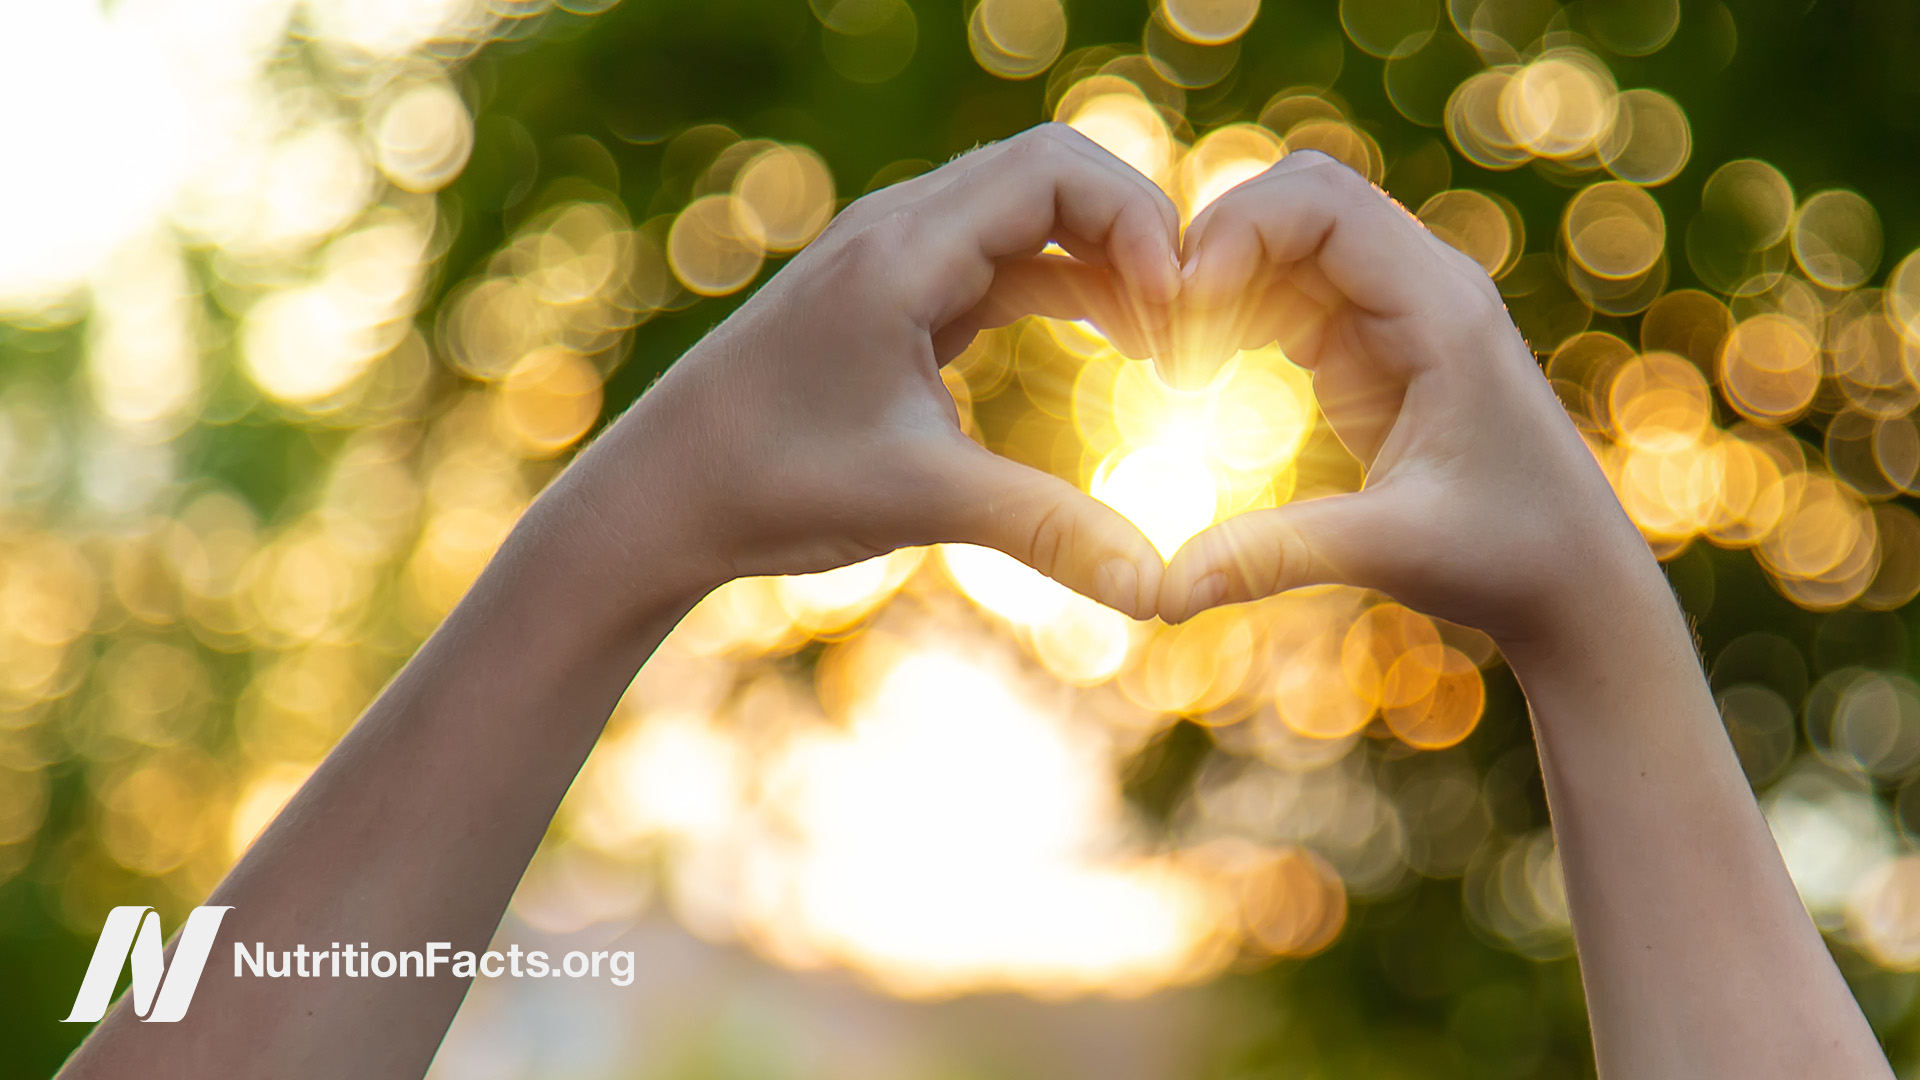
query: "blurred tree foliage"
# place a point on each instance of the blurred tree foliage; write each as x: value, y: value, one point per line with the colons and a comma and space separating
x: 1825, y: 91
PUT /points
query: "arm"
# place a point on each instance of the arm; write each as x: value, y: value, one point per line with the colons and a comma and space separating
x: 1698, y: 958
x: 1483, y: 505
x: 809, y: 431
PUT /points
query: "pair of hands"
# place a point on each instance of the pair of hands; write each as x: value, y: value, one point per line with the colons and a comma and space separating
x: 812, y: 429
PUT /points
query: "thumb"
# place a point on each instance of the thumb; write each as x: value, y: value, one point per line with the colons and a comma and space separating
x: 1333, y: 540
x: 1047, y: 523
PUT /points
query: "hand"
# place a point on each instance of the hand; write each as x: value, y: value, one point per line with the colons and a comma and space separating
x: 812, y: 429
x: 1482, y: 503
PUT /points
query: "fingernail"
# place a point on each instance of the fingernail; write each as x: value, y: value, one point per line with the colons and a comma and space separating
x: 1206, y: 593
x: 1117, y: 584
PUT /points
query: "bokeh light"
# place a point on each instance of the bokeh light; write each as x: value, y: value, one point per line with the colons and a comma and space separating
x: 303, y: 304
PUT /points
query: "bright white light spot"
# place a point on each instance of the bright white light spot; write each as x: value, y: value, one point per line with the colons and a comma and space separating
x: 1003, y: 584
x: 1168, y: 491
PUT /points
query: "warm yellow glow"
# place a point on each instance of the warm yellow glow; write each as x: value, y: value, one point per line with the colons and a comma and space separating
x: 1474, y: 123
x: 1003, y: 584
x: 304, y: 345
x: 1342, y: 141
x: 262, y: 798
x: 144, y: 359
x: 903, y: 870
x: 1883, y: 914
x: 1168, y: 491
x: 835, y: 600
x: 1221, y: 160
x: 1748, y: 205
x: 908, y: 767
x: 1435, y: 697
x: 1130, y: 128
x: 1295, y: 903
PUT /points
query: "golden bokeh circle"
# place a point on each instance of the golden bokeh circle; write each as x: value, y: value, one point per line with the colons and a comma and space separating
x: 1560, y: 106
x: 1614, y: 230
x: 1688, y: 322
x: 1209, y: 22
x: 1836, y: 239
x: 716, y: 245
x: 1484, y: 226
x: 1310, y: 694
x: 1374, y: 644
x: 788, y: 191
x: 549, y: 400
x: 1347, y: 144
x: 1474, y: 125
x: 1769, y: 368
x: 1747, y: 205
x: 1650, y: 141
x: 1017, y: 39
x: 1440, y: 697
x: 1295, y: 904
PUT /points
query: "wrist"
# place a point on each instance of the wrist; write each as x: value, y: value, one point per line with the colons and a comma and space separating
x: 1614, y: 618
x: 1588, y: 574
x: 614, y: 541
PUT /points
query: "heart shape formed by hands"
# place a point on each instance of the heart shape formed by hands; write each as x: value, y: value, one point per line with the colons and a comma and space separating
x: 1178, y: 415
x: 1058, y: 396
x: 1308, y: 294
x: 1160, y: 463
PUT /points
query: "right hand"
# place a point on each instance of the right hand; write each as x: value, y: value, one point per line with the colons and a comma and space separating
x: 812, y: 429
x: 1482, y: 504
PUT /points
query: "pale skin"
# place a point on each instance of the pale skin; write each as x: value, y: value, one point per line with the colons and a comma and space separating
x: 1482, y: 505
x: 812, y: 430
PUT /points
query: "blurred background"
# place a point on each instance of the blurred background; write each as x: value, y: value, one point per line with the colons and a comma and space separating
x: 302, y: 301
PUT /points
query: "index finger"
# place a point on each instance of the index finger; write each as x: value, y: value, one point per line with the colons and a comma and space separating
x: 1309, y: 207
x: 1050, y: 183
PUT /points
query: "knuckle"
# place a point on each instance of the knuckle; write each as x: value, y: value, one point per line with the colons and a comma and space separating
x: 1463, y: 265
x: 1460, y: 261
x: 1051, y: 133
x: 1021, y: 151
x: 1293, y: 563
x: 1333, y: 177
x: 1044, y: 143
x: 1482, y: 303
x: 1339, y: 178
x: 1066, y: 136
x: 1310, y: 156
x: 1051, y: 539
x: 846, y: 222
x: 1309, y: 159
x: 1257, y: 557
x: 868, y: 258
x: 873, y: 251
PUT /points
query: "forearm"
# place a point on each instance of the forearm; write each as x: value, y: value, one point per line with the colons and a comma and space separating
x: 420, y: 823
x: 1698, y: 958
